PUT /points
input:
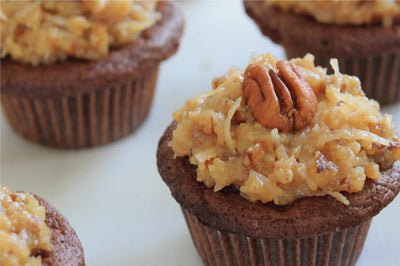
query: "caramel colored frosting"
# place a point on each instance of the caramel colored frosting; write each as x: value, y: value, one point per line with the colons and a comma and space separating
x: 347, y: 140
x: 43, y: 32
x: 355, y: 12
x: 23, y: 231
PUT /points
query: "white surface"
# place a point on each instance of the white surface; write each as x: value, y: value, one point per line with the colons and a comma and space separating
x: 113, y: 195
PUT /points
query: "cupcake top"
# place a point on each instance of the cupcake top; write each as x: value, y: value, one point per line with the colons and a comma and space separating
x: 283, y: 130
x: 23, y: 231
x: 356, y: 12
x: 43, y: 32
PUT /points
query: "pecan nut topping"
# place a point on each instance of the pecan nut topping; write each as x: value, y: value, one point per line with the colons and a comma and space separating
x: 284, y: 101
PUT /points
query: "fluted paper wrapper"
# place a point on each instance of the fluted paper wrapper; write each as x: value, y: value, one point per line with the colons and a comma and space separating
x: 222, y: 248
x: 379, y: 74
x: 83, y: 120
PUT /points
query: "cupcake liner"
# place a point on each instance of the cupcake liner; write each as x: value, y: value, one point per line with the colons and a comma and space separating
x: 379, y: 73
x: 83, y: 120
x: 221, y: 248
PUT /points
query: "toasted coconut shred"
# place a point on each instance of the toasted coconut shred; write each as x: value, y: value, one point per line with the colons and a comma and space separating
x: 228, y: 122
x: 347, y: 141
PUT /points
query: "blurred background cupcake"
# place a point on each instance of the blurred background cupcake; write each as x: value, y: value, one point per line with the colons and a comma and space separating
x: 281, y: 164
x: 33, y: 232
x: 363, y: 35
x: 82, y: 73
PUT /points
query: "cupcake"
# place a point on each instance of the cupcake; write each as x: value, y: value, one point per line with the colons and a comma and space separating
x: 281, y: 164
x: 33, y: 232
x: 363, y: 35
x: 82, y: 73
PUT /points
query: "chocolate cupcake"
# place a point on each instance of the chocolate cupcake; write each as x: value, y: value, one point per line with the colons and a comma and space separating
x: 95, y: 81
x: 43, y: 234
x: 264, y: 179
x: 363, y: 35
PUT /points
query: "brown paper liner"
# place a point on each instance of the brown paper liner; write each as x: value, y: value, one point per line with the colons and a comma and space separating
x: 83, y: 120
x: 222, y: 248
x: 379, y: 74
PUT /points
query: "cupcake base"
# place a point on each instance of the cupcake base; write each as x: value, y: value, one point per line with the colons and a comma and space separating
x: 83, y: 120
x: 221, y: 248
x: 78, y: 103
x: 227, y: 229
x: 67, y: 248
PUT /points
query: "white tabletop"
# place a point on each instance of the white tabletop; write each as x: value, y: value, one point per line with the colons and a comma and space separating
x: 113, y: 195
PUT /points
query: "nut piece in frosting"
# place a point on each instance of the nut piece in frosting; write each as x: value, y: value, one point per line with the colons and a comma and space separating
x: 43, y: 32
x: 345, y: 141
x: 341, y: 12
x: 23, y: 231
x: 286, y: 95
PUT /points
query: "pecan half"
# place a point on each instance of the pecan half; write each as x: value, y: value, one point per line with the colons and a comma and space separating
x: 284, y: 101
